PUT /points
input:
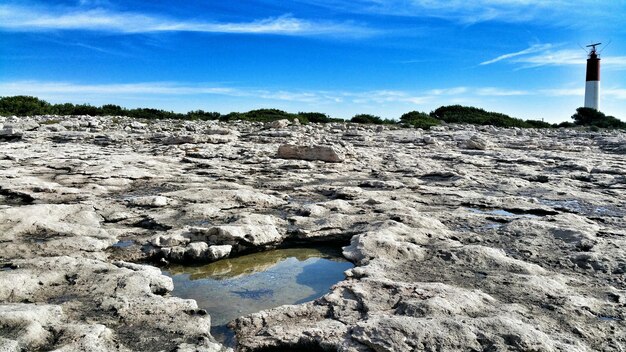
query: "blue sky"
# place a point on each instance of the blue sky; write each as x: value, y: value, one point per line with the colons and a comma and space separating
x: 341, y: 57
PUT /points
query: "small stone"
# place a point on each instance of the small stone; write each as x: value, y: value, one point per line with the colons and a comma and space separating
x: 476, y: 142
x: 219, y: 252
x: 429, y: 140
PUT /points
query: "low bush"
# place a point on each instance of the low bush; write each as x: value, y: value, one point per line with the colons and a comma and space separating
x: 538, y: 124
x: 22, y: 105
x: 371, y: 119
x: 203, y: 115
x: 476, y: 116
x: 419, y: 120
x: 593, y: 117
x: 564, y: 124
x: 317, y: 117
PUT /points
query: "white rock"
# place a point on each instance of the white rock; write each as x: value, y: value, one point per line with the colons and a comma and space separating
x: 149, y: 201
x: 279, y: 123
x: 314, y: 152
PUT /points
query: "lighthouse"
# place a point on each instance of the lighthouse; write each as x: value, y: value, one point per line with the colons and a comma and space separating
x: 592, y: 86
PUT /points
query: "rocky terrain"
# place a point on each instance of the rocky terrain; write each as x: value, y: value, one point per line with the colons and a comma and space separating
x: 464, y: 238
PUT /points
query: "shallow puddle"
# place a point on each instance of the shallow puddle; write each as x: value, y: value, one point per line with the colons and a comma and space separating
x: 500, y: 212
x: 123, y: 244
x: 603, y: 318
x: 584, y: 208
x: 231, y: 288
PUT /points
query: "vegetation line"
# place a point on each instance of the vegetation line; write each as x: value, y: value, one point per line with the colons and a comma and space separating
x: 30, y: 106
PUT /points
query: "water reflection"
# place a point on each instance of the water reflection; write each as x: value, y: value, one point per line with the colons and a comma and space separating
x: 234, y: 287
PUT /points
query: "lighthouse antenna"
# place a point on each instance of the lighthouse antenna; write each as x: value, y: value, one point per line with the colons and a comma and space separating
x: 607, y: 44
x: 593, y: 47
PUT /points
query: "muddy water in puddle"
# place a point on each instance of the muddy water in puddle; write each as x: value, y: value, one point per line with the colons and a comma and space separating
x: 231, y: 288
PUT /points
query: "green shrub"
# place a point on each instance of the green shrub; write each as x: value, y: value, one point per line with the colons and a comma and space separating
x: 316, y: 117
x: 593, y: 117
x: 86, y: 109
x: 419, y: 119
x: 145, y: 113
x: 63, y: 109
x: 476, y: 116
x: 112, y: 110
x: 22, y: 105
x: 267, y: 115
x: 565, y: 124
x: 203, y: 115
x: 367, y: 118
x: 538, y: 124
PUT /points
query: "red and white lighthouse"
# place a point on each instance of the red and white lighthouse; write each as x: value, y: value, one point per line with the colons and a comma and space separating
x: 592, y: 86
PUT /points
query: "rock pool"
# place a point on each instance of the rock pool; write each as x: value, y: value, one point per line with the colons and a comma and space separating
x: 230, y: 288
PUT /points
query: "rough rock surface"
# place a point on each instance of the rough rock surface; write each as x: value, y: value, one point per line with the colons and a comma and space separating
x: 315, y: 152
x: 464, y: 237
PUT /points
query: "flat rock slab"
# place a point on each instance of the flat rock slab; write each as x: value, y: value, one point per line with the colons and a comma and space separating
x: 303, y: 152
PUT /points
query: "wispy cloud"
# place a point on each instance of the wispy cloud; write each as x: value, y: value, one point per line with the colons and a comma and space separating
x: 611, y: 92
x: 532, y: 49
x: 617, y: 93
x: 152, y: 88
x: 553, y: 58
x: 125, y: 90
x: 469, y: 12
x: 449, y: 91
x: 477, y: 91
x: 544, y: 55
x: 563, y: 92
x: 500, y: 92
x: 43, y: 89
x: 26, y: 19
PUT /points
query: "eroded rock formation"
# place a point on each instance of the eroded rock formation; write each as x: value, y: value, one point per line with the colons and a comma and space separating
x: 464, y: 238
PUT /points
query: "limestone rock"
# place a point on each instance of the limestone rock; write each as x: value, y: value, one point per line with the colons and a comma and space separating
x: 148, y: 201
x: 430, y: 140
x: 315, y: 152
x: 279, y: 123
x: 234, y: 234
x: 476, y: 142
x: 10, y: 133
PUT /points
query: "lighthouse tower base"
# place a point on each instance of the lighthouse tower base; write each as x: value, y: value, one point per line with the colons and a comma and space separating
x: 592, y: 95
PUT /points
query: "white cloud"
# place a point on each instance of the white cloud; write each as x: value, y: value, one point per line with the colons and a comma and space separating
x: 563, y: 92
x: 553, y: 12
x: 44, y: 89
x: 153, y: 88
x: 611, y: 93
x: 449, y: 91
x: 18, y: 18
x: 500, y: 92
x: 616, y: 93
x: 384, y: 96
x: 553, y: 58
x: 542, y: 55
x: 568, y: 57
x: 533, y: 49
x: 480, y: 91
